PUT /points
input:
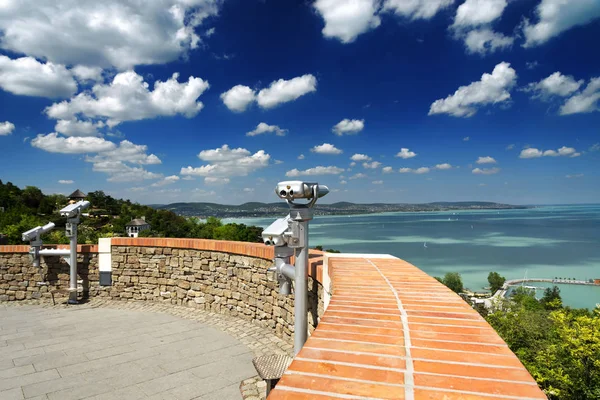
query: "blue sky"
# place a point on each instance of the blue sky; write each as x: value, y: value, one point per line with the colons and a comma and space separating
x: 383, y: 101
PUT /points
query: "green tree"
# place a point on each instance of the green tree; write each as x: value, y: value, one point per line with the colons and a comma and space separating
x: 453, y: 280
x: 496, y: 281
x: 551, y: 299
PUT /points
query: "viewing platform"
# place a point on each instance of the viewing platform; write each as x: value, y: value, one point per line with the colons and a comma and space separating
x: 379, y: 328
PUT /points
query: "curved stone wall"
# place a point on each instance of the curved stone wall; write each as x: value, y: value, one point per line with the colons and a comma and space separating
x: 217, y: 276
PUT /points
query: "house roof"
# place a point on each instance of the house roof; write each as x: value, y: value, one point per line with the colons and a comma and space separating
x: 137, y: 222
x: 78, y: 194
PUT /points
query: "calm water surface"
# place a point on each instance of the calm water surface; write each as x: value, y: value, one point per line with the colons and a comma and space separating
x: 543, y: 242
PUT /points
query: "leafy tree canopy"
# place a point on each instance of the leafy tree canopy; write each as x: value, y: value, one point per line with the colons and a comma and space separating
x: 29, y: 207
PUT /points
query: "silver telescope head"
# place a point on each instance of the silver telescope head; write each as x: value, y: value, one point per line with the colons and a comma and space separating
x: 292, y: 190
x: 72, y: 210
x: 35, y: 233
x: 275, y: 234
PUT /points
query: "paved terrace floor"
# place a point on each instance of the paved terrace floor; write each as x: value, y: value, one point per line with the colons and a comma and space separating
x: 393, y: 332
x: 92, y: 352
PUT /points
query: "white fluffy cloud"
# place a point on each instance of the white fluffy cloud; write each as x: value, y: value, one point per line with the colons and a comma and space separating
x: 168, y: 180
x: 28, y: 77
x: 107, y: 156
x: 561, y: 152
x: 282, y: 91
x: 213, y: 180
x: 71, y: 145
x: 422, y: 170
x: 127, y: 98
x: 301, y: 157
x: 225, y: 162
x: 238, y: 98
x: 371, y: 165
x: 443, y: 166
x: 486, y: 160
x: 66, y: 182
x: 585, y: 101
x: 486, y: 171
x: 349, y: 127
x: 406, y: 153
x: 387, y: 170
x: 320, y: 170
x: 266, y: 128
x: 104, y: 33
x: 120, y: 172
x: 345, y: 20
x: 556, y: 84
x: 84, y: 73
x: 493, y: 88
x: 326, y: 148
x: 127, y: 152
x: 478, y: 12
x: 360, y: 157
x: 556, y: 16
x: 417, y: 9
x: 6, y: 128
x: 485, y: 40
x: 75, y: 127
x: 358, y: 176
x: 530, y: 153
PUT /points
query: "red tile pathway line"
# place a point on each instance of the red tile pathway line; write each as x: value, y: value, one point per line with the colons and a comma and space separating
x: 393, y: 332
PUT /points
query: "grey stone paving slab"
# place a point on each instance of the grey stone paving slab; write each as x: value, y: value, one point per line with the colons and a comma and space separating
x: 12, y: 394
x: 103, y: 351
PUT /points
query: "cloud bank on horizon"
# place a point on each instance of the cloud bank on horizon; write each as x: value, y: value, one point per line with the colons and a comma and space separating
x: 138, y: 98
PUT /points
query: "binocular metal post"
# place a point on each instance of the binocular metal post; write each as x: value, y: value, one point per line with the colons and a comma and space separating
x: 289, y: 235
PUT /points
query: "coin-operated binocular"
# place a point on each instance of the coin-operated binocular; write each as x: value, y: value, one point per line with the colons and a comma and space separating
x: 289, y: 235
x: 33, y: 236
x: 73, y: 214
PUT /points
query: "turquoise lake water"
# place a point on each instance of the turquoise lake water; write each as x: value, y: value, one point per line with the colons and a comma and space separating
x: 542, y: 242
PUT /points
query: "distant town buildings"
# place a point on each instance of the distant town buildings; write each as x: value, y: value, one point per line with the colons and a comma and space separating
x: 136, y: 226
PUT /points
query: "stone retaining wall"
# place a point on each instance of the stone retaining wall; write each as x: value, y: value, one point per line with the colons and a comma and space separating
x: 230, y: 284
x: 173, y: 271
x: 20, y: 280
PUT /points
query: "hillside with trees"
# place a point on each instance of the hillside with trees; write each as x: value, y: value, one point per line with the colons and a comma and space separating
x: 23, y: 209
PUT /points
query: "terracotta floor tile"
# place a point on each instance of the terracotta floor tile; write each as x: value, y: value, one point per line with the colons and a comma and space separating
x: 480, y: 348
x: 431, y: 326
x: 448, y: 321
x: 344, y: 387
x: 457, y: 337
x: 337, y: 301
x: 372, y: 309
x: 362, y: 329
x: 424, y: 394
x: 378, y: 317
x: 475, y: 385
x: 375, y: 360
x: 491, y: 372
x: 443, y: 314
x: 345, y: 371
x: 290, y: 395
x: 470, y: 358
x: 397, y: 340
x: 364, y: 322
x: 352, y: 346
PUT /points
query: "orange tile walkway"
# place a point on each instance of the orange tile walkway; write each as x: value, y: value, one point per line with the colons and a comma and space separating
x: 393, y: 332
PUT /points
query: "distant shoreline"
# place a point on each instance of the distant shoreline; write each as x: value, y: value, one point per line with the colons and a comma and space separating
x: 266, y: 210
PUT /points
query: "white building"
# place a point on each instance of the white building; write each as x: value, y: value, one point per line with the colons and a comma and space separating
x: 136, y: 226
